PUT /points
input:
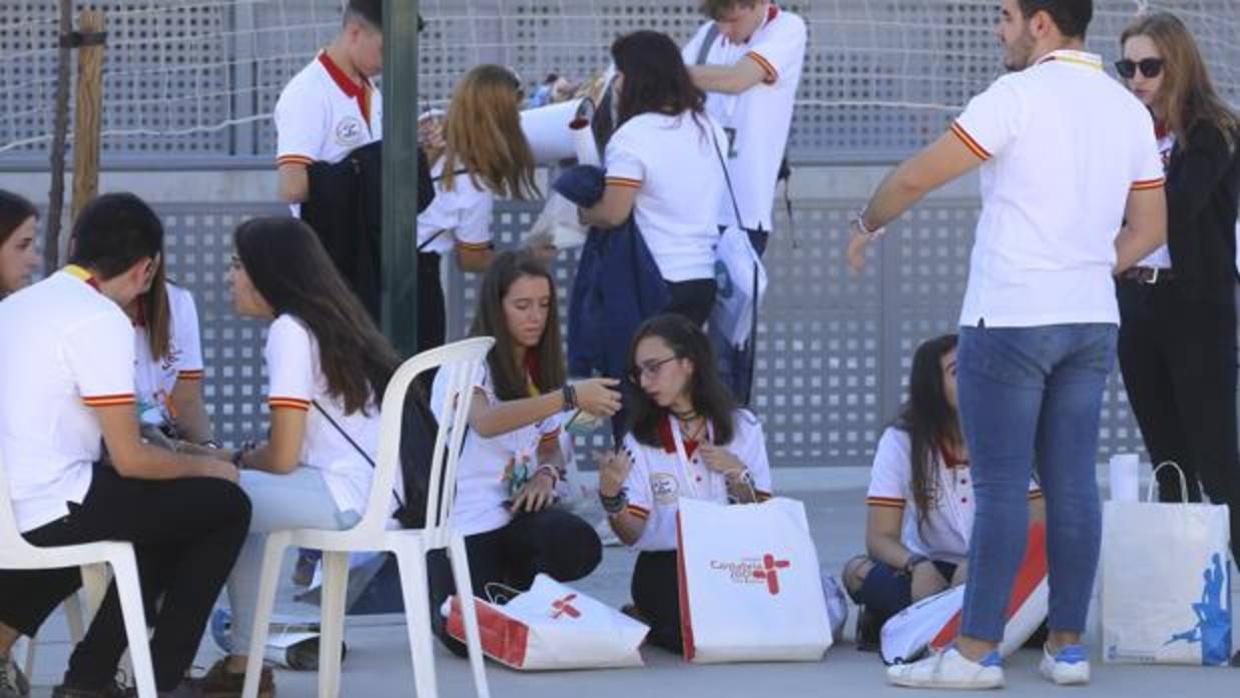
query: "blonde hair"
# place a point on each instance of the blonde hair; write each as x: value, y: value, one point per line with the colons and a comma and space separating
x: 483, y: 136
x: 1187, y: 96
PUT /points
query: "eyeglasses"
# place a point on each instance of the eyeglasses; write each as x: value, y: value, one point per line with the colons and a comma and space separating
x: 650, y: 368
x: 1150, y: 67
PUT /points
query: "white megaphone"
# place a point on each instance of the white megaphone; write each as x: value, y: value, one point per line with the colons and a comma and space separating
x: 562, y: 131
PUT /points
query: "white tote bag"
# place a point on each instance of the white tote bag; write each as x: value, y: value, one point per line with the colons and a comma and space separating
x: 934, y: 622
x: 739, y: 274
x: 750, y: 588
x: 1166, y: 591
x: 552, y: 626
x: 741, y: 284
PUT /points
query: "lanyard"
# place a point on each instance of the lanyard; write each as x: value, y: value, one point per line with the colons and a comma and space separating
x: 687, y: 470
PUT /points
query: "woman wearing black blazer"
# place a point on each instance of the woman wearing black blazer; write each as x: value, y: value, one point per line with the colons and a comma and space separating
x: 1177, y: 341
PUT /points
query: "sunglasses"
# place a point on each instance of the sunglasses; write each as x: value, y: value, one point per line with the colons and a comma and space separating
x: 1149, y: 67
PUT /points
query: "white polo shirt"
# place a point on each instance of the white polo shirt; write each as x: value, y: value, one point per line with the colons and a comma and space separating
x: 1064, y: 144
x: 295, y: 380
x: 757, y: 120
x: 660, y: 476
x: 672, y: 163
x: 65, y: 350
x: 323, y: 115
x: 1161, y: 257
x: 949, y: 524
x: 155, y: 380
x: 457, y: 218
x: 487, y: 463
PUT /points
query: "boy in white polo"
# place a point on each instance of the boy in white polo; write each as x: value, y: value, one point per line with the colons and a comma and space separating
x: 68, y: 391
x: 1071, y: 193
x: 748, y: 59
x: 331, y: 107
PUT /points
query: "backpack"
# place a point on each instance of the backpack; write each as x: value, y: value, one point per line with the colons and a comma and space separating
x: 418, y: 431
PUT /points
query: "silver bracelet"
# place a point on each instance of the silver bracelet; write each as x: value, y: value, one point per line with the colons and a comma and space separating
x: 859, y: 221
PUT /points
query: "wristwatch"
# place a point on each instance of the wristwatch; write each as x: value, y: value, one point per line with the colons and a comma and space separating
x: 614, y: 505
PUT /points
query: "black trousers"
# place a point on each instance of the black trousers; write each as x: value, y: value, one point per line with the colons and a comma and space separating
x: 694, y: 299
x: 432, y: 322
x: 656, y: 593
x: 1178, y: 358
x: 552, y: 542
x: 186, y: 535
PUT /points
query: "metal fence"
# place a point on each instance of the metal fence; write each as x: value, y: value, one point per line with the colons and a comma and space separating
x: 198, y: 80
x: 834, y: 348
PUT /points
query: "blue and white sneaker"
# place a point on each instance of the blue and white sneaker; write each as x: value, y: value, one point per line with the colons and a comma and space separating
x: 949, y: 669
x: 1067, y: 667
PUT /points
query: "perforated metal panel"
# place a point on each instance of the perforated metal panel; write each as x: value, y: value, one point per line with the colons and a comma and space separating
x: 199, y: 247
x: 882, y: 77
x: 835, y: 348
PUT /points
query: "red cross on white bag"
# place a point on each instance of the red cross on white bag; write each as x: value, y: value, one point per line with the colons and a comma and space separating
x: 564, y: 607
x: 770, y: 572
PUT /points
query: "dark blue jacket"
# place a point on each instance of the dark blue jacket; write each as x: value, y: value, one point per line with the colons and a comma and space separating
x: 618, y: 285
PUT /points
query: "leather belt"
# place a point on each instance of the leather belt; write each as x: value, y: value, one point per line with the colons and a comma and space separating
x: 1148, y: 275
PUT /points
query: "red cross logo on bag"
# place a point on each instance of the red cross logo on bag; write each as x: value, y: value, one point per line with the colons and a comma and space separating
x: 564, y: 607
x: 770, y: 572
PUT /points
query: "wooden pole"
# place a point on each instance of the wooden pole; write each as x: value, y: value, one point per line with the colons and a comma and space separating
x: 400, y: 174
x: 60, y: 127
x: 87, y: 123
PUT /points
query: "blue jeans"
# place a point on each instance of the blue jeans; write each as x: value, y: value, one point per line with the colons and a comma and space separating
x: 1032, y: 396
x: 299, y: 499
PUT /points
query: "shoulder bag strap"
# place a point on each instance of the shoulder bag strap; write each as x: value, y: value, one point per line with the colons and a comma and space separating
x: 726, y: 177
x: 345, y: 434
x: 709, y: 40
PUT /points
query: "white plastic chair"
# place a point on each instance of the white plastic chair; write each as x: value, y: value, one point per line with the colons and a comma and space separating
x: 458, y: 363
x: 17, y: 554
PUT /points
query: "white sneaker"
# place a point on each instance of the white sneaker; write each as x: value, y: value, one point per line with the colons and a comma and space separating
x: 1068, y: 667
x: 949, y: 669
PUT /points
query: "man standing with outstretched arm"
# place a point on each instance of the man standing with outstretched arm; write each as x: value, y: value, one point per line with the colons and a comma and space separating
x: 748, y: 60
x: 1072, y: 192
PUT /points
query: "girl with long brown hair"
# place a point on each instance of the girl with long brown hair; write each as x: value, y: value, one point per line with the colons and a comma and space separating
x: 327, y: 368
x: 665, y: 169
x: 511, y: 462
x: 484, y: 155
x: 920, y: 502
x: 1177, y: 339
x: 689, y: 440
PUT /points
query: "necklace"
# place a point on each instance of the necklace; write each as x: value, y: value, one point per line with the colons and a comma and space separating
x: 691, y: 432
x: 686, y: 416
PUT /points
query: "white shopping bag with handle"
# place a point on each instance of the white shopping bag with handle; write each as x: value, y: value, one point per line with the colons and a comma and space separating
x: 750, y: 587
x: 1166, y: 582
x: 552, y: 626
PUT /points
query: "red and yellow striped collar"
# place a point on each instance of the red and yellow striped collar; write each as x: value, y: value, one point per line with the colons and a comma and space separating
x: 1081, y: 58
x: 82, y: 275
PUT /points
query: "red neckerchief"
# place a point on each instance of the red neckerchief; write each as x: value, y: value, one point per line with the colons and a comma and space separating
x: 139, y: 319
x: 1160, y: 130
x: 950, y: 459
x: 532, y: 373
x: 669, y: 442
x: 360, y: 93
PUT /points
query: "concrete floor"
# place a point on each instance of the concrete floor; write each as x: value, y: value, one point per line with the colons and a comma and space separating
x: 378, y: 663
